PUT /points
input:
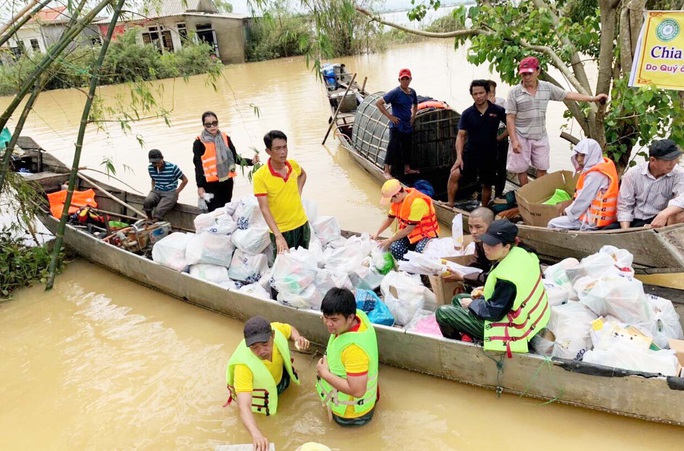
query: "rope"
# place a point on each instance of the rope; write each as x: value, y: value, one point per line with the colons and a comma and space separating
x: 499, y: 370
x: 546, y: 363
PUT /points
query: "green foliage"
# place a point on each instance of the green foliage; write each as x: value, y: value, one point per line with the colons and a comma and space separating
x: 278, y: 34
x: 21, y: 265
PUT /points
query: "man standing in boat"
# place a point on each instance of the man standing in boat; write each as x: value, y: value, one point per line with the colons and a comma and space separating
x: 348, y: 372
x: 261, y: 369
x: 501, y: 144
x: 165, y: 190
x: 404, y: 103
x: 526, y: 119
x: 652, y: 193
x: 416, y: 217
x: 479, y: 124
x: 278, y: 187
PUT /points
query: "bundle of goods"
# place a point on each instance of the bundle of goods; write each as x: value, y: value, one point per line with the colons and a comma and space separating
x: 600, y: 314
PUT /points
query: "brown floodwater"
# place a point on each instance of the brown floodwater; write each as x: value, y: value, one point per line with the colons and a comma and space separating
x: 103, y: 363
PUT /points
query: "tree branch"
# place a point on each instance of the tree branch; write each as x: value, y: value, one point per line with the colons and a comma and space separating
x: 572, y: 106
x: 429, y: 34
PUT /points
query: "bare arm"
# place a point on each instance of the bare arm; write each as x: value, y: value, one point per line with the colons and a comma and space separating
x: 510, y: 128
x: 460, y: 144
x: 585, y: 98
x: 414, y: 110
x: 301, y: 180
x: 184, y: 181
x: 381, y: 106
x: 386, y: 223
x: 352, y: 385
x: 151, y: 183
x: 245, y: 406
x: 403, y: 233
x: 298, y: 339
x: 281, y: 244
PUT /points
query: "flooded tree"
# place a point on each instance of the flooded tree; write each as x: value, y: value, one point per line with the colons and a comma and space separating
x: 576, y: 37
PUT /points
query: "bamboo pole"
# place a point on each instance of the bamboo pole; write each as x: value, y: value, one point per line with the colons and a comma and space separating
x: 332, y: 123
x: 111, y: 196
x: 94, y: 83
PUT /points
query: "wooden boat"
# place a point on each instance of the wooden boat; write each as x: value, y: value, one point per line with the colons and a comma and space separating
x: 641, y: 395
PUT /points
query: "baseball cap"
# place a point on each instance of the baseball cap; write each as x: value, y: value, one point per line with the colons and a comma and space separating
x: 500, y: 231
x: 528, y: 65
x: 664, y: 149
x: 389, y: 189
x: 155, y: 156
x: 405, y: 73
x: 257, y: 330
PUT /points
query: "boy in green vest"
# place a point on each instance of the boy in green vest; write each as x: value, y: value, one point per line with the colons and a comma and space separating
x: 261, y: 369
x: 348, y: 372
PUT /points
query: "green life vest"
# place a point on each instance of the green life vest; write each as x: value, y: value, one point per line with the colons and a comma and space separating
x: 530, y: 311
x: 335, y: 400
x: 264, y: 391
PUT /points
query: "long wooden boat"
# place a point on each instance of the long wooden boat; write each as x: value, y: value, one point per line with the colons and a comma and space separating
x: 642, y: 395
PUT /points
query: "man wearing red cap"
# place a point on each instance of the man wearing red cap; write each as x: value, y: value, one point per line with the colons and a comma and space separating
x: 526, y: 118
x: 404, y: 103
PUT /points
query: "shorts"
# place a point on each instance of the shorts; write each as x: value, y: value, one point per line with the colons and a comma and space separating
x: 358, y: 421
x: 535, y: 152
x: 483, y: 164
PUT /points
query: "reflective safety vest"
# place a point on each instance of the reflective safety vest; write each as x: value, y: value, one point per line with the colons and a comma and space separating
x: 335, y: 400
x: 264, y: 387
x: 603, y: 209
x: 530, y: 311
x: 209, y: 159
x: 427, y: 227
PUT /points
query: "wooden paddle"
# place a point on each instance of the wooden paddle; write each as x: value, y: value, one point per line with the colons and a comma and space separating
x: 337, y: 110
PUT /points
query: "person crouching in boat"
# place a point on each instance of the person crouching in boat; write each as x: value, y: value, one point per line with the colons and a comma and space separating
x: 261, y: 369
x: 164, y: 177
x: 594, y: 204
x: 415, y: 214
x: 513, y: 306
x: 348, y: 372
x: 478, y: 222
x: 215, y: 159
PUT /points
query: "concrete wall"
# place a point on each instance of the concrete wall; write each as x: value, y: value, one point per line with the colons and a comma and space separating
x: 230, y: 36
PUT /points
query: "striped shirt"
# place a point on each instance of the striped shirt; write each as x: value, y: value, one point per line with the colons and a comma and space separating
x: 165, y: 179
x: 530, y: 111
x: 642, y: 196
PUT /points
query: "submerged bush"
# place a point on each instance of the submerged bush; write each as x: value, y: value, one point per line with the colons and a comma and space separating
x: 21, y: 265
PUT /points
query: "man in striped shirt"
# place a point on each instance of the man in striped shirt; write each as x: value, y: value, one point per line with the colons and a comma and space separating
x: 526, y: 119
x: 165, y: 189
x: 653, y: 192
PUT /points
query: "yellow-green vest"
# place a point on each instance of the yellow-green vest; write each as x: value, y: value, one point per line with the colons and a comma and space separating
x: 264, y: 391
x: 336, y: 400
x: 530, y: 311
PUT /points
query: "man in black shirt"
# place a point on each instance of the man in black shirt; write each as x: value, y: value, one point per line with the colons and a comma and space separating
x: 479, y: 124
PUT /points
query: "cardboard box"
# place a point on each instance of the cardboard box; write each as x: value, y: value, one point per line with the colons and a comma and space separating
x: 530, y: 197
x: 445, y: 291
x: 678, y: 347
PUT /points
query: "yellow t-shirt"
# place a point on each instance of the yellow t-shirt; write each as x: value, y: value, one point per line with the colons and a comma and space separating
x: 283, y: 194
x: 356, y: 363
x: 244, y: 378
x: 419, y: 209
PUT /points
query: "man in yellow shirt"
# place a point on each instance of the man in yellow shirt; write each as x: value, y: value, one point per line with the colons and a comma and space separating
x: 348, y: 372
x: 260, y: 369
x: 278, y: 188
x: 416, y: 217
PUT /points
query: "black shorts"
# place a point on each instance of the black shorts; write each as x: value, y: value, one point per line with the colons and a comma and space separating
x: 484, y: 165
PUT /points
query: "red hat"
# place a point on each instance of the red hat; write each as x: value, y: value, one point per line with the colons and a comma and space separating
x: 528, y: 65
x: 404, y: 73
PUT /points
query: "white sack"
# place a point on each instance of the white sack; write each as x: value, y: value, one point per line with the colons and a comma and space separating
x: 170, y: 250
x: 204, y: 221
x: 327, y: 229
x: 256, y: 290
x: 404, y: 295
x: 571, y: 324
x: 209, y: 248
x: 210, y: 273
x: 666, y: 320
x: 344, y: 259
x: 618, y: 296
x: 595, y: 265
x: 557, y: 295
x: 311, y: 210
x: 248, y: 214
x: 225, y: 225
x: 247, y: 267
x: 253, y: 240
x: 626, y: 357
x: 293, y: 271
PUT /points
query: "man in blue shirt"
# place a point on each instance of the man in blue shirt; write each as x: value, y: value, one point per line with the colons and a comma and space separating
x: 165, y: 189
x: 404, y: 103
x: 479, y: 124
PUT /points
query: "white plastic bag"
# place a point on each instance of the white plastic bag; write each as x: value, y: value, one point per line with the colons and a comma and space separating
x: 621, y: 297
x: 366, y: 278
x: 626, y: 357
x: 225, y: 225
x: 327, y: 229
x: 557, y: 295
x: 311, y: 210
x: 210, y: 273
x: 595, y: 265
x: 424, y: 322
x: 248, y: 214
x: 344, y: 259
x: 316, y: 249
x: 256, y: 290
x: 204, y: 221
x: 621, y: 257
x: 209, y: 248
x: 247, y: 267
x: 558, y: 273
x: 307, y: 298
x: 293, y: 271
x: 404, y: 295
x: 253, y: 240
x: 571, y: 325
x: 666, y: 320
x: 170, y: 250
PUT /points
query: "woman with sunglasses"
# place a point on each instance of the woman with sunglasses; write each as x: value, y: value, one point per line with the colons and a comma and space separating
x: 215, y: 160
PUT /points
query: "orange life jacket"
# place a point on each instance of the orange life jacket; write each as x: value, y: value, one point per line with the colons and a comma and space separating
x: 78, y: 199
x: 209, y: 159
x: 603, y: 209
x: 427, y: 227
x: 432, y: 104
